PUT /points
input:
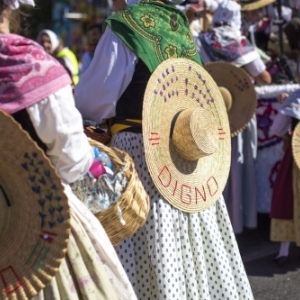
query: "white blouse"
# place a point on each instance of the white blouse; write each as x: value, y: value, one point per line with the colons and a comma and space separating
x: 107, y: 77
x: 58, y: 124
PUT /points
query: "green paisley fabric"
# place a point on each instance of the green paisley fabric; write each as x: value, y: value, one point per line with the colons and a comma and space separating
x: 154, y: 31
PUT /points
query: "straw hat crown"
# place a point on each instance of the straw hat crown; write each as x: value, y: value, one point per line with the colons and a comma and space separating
x: 193, y: 139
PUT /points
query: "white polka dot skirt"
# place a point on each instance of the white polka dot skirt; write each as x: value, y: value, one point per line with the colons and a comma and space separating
x: 176, y: 255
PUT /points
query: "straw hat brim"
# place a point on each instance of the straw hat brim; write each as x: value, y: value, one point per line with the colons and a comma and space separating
x: 296, y: 145
x: 34, y: 215
x: 255, y: 5
x: 176, y: 85
x: 238, y: 83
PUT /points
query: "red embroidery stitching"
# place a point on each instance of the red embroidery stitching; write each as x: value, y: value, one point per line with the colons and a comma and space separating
x: 10, y: 289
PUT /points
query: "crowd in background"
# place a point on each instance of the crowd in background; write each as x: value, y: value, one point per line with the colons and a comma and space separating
x: 251, y: 38
x: 199, y: 248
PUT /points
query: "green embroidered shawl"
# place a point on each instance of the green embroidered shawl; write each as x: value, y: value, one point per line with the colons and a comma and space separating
x: 154, y: 31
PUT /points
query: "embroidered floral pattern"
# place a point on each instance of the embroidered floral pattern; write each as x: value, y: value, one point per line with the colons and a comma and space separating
x: 190, y: 38
x: 154, y: 27
x: 171, y: 52
x: 148, y: 21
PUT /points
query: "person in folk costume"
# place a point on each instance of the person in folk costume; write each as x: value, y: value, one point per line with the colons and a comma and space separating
x: 254, y: 12
x: 226, y: 43
x: 285, y: 207
x: 226, y: 35
x: 199, y: 14
x: 36, y: 91
x: 54, y: 45
x: 176, y: 255
x: 284, y: 203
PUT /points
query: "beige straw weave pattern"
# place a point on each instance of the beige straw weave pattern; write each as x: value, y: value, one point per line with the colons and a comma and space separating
x: 190, y: 169
x: 238, y: 83
x: 198, y: 135
x: 34, y: 215
x: 296, y: 145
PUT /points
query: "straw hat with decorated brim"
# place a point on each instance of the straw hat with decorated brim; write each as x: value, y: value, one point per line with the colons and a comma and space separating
x: 186, y: 135
x: 254, y: 4
x: 34, y: 215
x: 238, y: 93
x: 296, y: 145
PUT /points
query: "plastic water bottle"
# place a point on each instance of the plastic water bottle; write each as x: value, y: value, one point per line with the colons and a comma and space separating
x: 104, y: 158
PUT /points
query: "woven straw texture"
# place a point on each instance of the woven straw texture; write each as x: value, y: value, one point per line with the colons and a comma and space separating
x: 134, y: 201
x: 34, y: 215
x: 191, y: 169
x: 94, y: 133
x: 242, y: 91
x: 296, y: 145
x: 253, y: 4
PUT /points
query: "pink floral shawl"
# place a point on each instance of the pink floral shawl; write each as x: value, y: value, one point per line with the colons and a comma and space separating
x: 27, y: 73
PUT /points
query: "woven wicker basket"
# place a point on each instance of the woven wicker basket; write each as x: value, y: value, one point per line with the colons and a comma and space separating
x: 134, y: 202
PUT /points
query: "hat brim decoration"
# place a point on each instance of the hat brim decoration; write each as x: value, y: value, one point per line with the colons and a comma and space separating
x: 186, y: 135
x: 296, y: 145
x: 243, y: 97
x: 253, y: 5
x: 34, y: 215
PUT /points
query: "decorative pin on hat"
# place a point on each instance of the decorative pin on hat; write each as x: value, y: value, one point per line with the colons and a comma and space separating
x: 34, y: 215
x: 238, y: 93
x: 186, y: 135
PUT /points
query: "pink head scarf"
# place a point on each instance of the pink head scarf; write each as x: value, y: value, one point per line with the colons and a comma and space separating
x: 27, y: 73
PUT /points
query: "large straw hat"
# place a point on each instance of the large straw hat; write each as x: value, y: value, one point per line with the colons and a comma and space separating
x: 186, y: 135
x: 296, y: 145
x: 238, y: 93
x: 34, y: 215
x: 254, y: 4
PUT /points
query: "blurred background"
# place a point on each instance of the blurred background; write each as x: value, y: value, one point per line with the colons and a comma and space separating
x: 69, y: 19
